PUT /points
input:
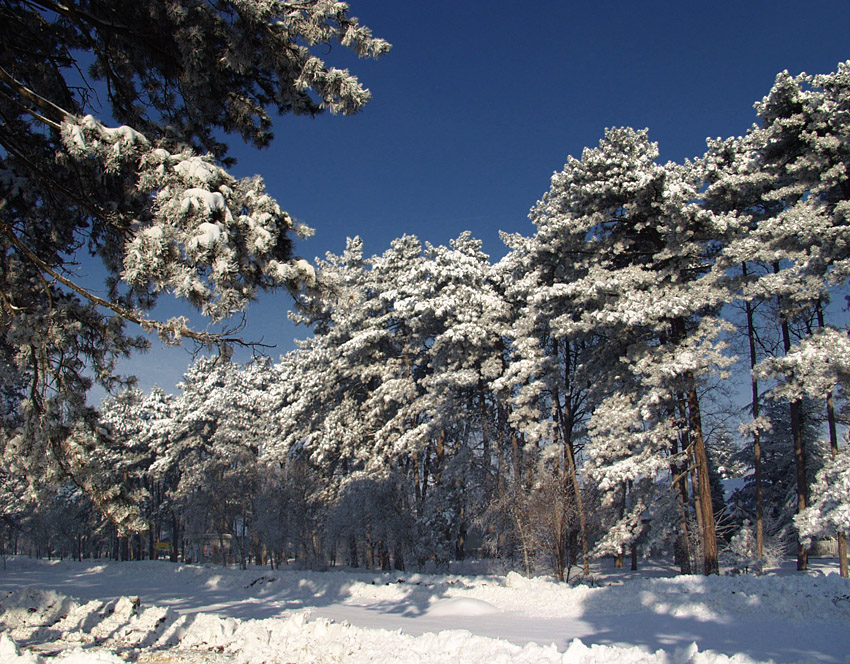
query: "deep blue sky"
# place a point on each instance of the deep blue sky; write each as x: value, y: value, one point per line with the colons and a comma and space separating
x: 480, y: 102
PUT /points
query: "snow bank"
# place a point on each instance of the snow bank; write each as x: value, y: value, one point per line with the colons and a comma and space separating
x: 10, y: 654
x: 35, y: 617
x: 148, y: 610
x: 461, y: 606
x: 699, y: 597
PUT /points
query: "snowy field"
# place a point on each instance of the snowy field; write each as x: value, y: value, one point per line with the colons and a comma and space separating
x: 106, y: 612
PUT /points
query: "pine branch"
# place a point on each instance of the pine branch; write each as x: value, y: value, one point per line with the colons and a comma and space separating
x: 170, y: 331
x: 44, y: 104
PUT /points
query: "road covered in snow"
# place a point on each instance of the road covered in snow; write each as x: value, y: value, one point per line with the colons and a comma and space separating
x: 155, y: 611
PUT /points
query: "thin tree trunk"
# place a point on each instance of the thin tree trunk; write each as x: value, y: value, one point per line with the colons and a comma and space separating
x: 799, y: 456
x: 460, y: 541
x: 755, y: 407
x: 799, y: 444
x: 384, y: 555
x: 519, y: 520
x: 426, y: 470
x: 500, y: 450
x: 682, y: 552
x: 398, y: 558
x: 619, y: 558
x: 417, y: 486
x: 567, y: 423
x: 840, y: 536
x: 486, y: 435
x: 441, y: 453
x: 175, y: 527
x: 582, y: 516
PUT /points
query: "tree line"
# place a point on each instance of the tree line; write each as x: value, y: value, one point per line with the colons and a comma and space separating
x: 564, y: 403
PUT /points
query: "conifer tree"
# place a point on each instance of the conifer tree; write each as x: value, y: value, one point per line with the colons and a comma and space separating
x: 143, y: 188
x: 638, y: 249
x: 787, y: 183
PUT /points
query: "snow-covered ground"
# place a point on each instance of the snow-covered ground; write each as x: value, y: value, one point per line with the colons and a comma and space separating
x: 105, y: 612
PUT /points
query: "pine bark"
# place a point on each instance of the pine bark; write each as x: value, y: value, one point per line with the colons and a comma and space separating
x: 709, y: 533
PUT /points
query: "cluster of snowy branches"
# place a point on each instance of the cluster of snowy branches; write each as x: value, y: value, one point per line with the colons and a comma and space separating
x: 143, y: 190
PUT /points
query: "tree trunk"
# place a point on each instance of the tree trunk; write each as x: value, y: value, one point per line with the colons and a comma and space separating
x: 682, y: 546
x: 441, y: 453
x: 417, y: 481
x: 398, y: 558
x: 384, y: 555
x: 352, y: 551
x: 840, y: 536
x: 702, y: 490
x: 221, y: 547
x: 486, y: 434
x: 679, y: 475
x: 175, y: 527
x: 799, y: 456
x: 566, y: 421
x: 620, y: 558
x: 709, y: 533
x: 797, y: 437
x: 460, y: 541
x: 751, y: 336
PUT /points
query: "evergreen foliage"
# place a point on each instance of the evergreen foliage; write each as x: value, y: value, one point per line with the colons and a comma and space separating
x: 110, y: 145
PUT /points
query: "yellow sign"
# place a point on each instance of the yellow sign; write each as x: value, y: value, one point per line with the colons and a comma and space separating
x: 163, y: 546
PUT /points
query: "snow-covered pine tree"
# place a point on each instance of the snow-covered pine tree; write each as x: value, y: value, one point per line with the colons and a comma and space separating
x: 778, y: 481
x: 223, y: 432
x: 143, y: 186
x: 396, y: 383
x: 129, y: 454
x: 829, y: 511
x: 547, y: 383
x: 787, y: 180
x: 638, y: 248
x: 463, y: 310
x: 350, y: 397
